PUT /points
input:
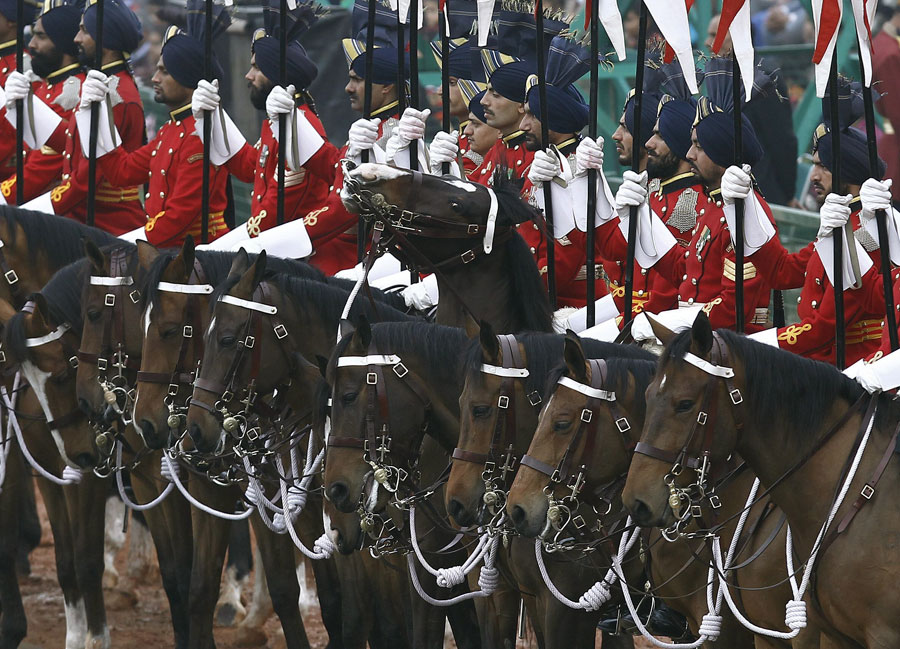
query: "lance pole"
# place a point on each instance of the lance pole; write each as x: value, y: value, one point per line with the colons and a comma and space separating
x: 443, y: 20
x: 590, y: 262
x: 20, y: 105
x: 95, y: 123
x: 636, y: 143
x: 367, y: 113
x: 282, y: 123
x: 401, y: 63
x: 739, y: 203
x: 414, y: 75
x: 880, y: 215
x: 207, y: 124
x: 545, y: 143
x: 837, y: 233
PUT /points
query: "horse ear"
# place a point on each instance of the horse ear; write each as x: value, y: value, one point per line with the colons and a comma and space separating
x: 346, y: 328
x: 490, y: 346
x: 259, y: 268
x: 41, y: 308
x: 574, y: 357
x: 701, y: 335
x: 322, y: 362
x: 660, y: 330
x: 472, y: 328
x: 95, y: 255
x: 362, y: 335
x: 240, y: 263
x: 188, y: 253
x: 146, y: 254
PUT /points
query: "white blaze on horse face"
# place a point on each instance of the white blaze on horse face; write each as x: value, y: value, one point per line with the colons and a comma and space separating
x: 76, y: 625
x: 212, y: 325
x: 459, y: 184
x: 379, y: 171
x: 662, y: 382
x: 146, y: 318
x: 37, y: 379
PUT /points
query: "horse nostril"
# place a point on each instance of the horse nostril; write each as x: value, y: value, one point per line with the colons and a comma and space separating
x: 456, y: 510
x: 518, y: 516
x: 148, y: 429
x: 641, y: 513
x: 84, y: 460
x: 196, y: 434
x: 85, y: 406
x: 337, y: 493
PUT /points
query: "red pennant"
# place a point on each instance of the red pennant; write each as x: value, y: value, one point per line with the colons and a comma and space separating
x: 730, y: 8
x: 441, y: 4
x: 588, y: 11
x: 669, y: 53
x: 829, y: 22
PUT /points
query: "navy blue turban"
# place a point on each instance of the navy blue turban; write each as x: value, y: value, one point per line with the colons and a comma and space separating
x: 384, y: 65
x: 649, y: 106
x: 567, y: 111
x: 715, y: 132
x: 183, y: 51
x: 301, y: 71
x: 31, y: 9
x: 509, y: 80
x: 121, y: 28
x: 476, y: 108
x: 676, y: 118
x: 61, y: 22
x: 854, y: 155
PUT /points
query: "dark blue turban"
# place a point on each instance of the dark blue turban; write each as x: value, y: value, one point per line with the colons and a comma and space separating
x: 676, y: 118
x: 715, y: 132
x: 32, y: 8
x: 854, y: 155
x: 567, y: 111
x: 301, y: 71
x: 61, y: 22
x: 476, y: 108
x: 384, y: 65
x: 121, y: 28
x: 649, y: 106
x: 183, y: 51
x: 509, y: 80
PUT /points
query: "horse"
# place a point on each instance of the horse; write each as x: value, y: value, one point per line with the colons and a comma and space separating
x: 795, y: 422
x: 465, y: 234
x: 603, y: 452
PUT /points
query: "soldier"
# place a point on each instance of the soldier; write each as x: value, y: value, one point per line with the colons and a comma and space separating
x: 54, y: 59
x: 172, y: 163
x: 8, y: 33
x: 259, y: 164
x: 460, y: 67
x: 118, y: 210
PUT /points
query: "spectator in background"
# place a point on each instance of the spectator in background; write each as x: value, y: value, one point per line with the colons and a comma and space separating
x: 886, y: 64
x: 771, y: 117
x: 631, y: 22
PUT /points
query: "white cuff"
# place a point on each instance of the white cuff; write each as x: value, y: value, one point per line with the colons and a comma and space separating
x: 226, y: 138
x: 766, y: 337
x: 230, y: 241
x: 606, y: 331
x: 400, y: 278
x: 303, y: 140
x: 134, y: 236
x: 45, y: 121
x: 653, y: 239
x: 603, y: 213
x: 758, y: 230
x: 400, y: 157
x: 675, y: 320
x: 604, y: 309
x: 108, y: 137
x: 42, y: 203
x: 892, y: 222
x: 288, y: 241
x: 825, y: 248
x: 883, y: 374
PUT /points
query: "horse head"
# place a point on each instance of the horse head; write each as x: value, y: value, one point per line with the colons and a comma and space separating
x: 682, y: 435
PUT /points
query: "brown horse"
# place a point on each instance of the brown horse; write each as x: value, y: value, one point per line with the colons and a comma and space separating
x: 465, y: 234
x: 795, y: 423
x: 603, y: 454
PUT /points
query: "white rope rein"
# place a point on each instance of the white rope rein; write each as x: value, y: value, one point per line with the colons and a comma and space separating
x: 121, y: 485
x: 173, y: 473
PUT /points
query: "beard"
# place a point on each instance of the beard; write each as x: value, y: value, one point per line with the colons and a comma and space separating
x: 86, y: 60
x: 662, y: 167
x: 44, y: 65
x: 531, y: 142
x: 258, y: 96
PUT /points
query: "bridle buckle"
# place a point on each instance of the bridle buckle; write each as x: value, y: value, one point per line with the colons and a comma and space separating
x: 472, y: 228
x: 701, y: 418
x: 173, y: 389
x: 736, y: 396
x: 281, y: 332
x: 101, y: 364
x: 249, y: 341
x: 372, y: 378
x: 503, y: 401
x: 11, y: 277
x: 109, y: 299
x: 135, y: 296
x: 587, y: 415
x: 623, y: 425
x: 188, y: 331
x: 400, y: 370
x: 468, y: 256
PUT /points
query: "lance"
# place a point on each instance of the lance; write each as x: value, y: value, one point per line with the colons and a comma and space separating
x: 367, y: 113
x: 444, y: 24
x: 95, y: 123
x: 545, y: 143
x: 739, y: 203
x: 880, y: 215
x: 207, y: 124
x: 592, y: 173
x: 282, y: 123
x: 635, y: 159
x: 837, y: 233
x: 414, y: 75
x: 401, y: 64
x: 20, y: 105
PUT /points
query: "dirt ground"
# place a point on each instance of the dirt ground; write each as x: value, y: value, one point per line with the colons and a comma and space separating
x: 138, y: 612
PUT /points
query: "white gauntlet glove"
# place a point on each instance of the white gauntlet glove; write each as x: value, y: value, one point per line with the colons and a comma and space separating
x: 544, y: 168
x: 875, y: 195
x: 94, y: 89
x: 18, y: 85
x: 633, y: 191
x: 588, y: 155
x: 280, y: 102
x: 834, y: 214
x: 736, y: 183
x: 412, y: 124
x: 444, y: 148
x: 362, y: 136
x: 205, y: 98
x: 421, y: 295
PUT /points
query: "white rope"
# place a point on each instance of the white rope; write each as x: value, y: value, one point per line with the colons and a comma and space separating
x: 163, y: 470
x: 70, y: 476
x: 349, y: 303
x: 196, y: 503
x: 323, y: 547
x: 488, y: 580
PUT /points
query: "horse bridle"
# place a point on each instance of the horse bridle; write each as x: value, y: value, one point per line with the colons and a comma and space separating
x: 12, y: 279
x: 501, y: 454
x: 562, y: 511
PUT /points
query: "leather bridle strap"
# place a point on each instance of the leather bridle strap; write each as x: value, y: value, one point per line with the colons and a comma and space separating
x: 12, y: 279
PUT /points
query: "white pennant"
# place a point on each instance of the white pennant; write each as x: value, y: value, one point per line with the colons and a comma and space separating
x: 823, y: 67
x: 863, y: 11
x: 671, y: 18
x: 611, y: 20
x: 485, y: 13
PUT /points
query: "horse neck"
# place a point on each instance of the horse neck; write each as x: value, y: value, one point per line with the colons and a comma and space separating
x: 314, y: 333
x: 444, y: 417
x: 482, y: 286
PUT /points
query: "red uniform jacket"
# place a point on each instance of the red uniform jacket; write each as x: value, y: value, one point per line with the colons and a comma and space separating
x: 61, y: 91
x: 303, y: 192
x: 884, y: 346
x: 886, y: 72
x: 117, y: 210
x: 172, y: 165
x: 465, y: 152
x: 508, y: 150
x: 814, y: 335
x: 7, y: 131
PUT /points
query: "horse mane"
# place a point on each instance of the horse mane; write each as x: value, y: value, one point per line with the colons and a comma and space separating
x: 439, y: 343
x: 544, y: 351
x: 59, y: 236
x: 798, y: 390
x: 531, y: 303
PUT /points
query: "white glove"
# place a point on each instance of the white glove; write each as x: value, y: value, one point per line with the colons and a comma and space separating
x: 421, y: 295
x: 444, y: 148
x: 362, y: 136
x: 412, y: 124
x: 94, y: 88
x: 736, y: 183
x: 544, y: 168
x: 633, y: 191
x: 834, y: 214
x: 880, y: 375
x: 875, y: 195
x: 607, y: 331
x: 280, y: 102
x: 353, y: 274
x: 766, y: 337
x: 205, y: 98
x: 588, y: 155
x: 18, y: 85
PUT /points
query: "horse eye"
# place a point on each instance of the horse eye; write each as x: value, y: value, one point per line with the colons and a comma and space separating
x: 168, y: 333
x: 684, y: 406
x: 227, y: 341
x: 348, y: 397
x: 480, y: 412
x: 561, y: 426
x: 93, y: 315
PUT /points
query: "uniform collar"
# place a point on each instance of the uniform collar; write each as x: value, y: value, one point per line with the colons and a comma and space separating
x: 387, y: 111
x: 565, y: 146
x: 115, y: 67
x: 716, y: 195
x: 512, y: 138
x: 855, y: 204
x: 63, y: 73
x: 679, y: 181
x: 463, y: 124
x: 180, y: 113
x: 9, y: 47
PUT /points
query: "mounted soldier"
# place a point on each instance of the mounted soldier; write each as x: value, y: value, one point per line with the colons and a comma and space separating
x: 8, y: 31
